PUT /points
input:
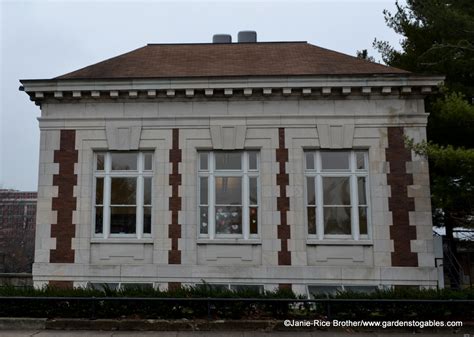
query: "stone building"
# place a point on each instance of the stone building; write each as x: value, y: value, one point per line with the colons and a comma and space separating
x: 17, y: 230
x: 248, y: 164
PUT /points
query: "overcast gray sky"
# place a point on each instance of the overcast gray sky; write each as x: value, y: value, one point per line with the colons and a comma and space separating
x: 44, y: 39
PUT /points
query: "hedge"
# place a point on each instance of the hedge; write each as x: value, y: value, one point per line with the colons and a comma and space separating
x: 370, y: 310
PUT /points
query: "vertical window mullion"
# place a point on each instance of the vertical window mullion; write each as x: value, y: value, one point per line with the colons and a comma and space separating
x: 245, y: 197
x: 107, y: 193
x: 354, y: 198
x: 319, y: 198
x: 212, y: 197
x: 139, y: 197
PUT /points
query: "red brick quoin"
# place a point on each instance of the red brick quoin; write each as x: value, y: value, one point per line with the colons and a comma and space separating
x: 65, y: 203
x: 174, y: 229
x: 61, y: 284
x: 397, y: 155
x: 283, y: 202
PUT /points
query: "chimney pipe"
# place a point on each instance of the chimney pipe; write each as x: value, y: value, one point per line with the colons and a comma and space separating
x: 222, y: 38
x: 247, y: 36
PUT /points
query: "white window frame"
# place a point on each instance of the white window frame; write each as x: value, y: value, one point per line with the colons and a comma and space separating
x: 211, y: 173
x: 353, y: 173
x: 107, y: 174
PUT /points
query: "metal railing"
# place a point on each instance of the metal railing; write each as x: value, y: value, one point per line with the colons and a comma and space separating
x: 211, y: 303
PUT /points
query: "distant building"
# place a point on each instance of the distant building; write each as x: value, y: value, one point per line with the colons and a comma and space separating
x: 249, y: 164
x: 17, y: 230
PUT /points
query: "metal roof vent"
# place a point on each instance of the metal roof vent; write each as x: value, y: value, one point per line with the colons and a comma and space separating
x: 247, y: 36
x: 222, y: 38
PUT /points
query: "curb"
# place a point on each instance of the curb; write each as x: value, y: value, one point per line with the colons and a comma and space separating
x: 23, y: 323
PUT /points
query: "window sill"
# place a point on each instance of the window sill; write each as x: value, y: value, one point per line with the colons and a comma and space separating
x: 332, y: 242
x: 122, y: 240
x: 229, y: 242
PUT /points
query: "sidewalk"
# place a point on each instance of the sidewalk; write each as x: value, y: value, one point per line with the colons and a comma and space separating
x: 47, y: 333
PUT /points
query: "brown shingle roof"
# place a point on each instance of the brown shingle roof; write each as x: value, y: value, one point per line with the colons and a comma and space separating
x: 236, y: 59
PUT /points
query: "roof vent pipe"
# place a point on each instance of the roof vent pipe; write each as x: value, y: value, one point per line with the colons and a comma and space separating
x: 222, y: 38
x: 247, y: 36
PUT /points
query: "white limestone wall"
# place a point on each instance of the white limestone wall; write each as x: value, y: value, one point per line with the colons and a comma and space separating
x: 145, y: 260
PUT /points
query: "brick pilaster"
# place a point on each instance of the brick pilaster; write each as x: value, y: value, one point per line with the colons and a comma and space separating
x: 283, y: 202
x: 65, y: 203
x: 174, y: 229
x: 397, y: 155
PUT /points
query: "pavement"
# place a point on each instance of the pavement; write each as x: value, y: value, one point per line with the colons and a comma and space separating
x: 82, y: 333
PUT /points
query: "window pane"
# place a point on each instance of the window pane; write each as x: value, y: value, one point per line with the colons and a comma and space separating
x: 137, y: 286
x: 337, y: 220
x: 228, y: 190
x: 253, y: 198
x: 123, y: 191
x: 361, y: 190
x: 360, y: 160
x: 323, y: 290
x: 363, y: 220
x: 204, y: 220
x: 100, y: 162
x: 147, y: 220
x: 309, y: 160
x: 361, y: 289
x: 213, y: 287
x: 228, y: 220
x: 310, y: 193
x: 147, y: 191
x: 253, y: 214
x: 204, y: 190
x: 122, y: 220
x: 252, y: 160
x: 228, y: 160
x: 124, y: 161
x: 247, y: 287
x: 99, y: 219
x: 103, y: 286
x: 336, y: 191
x: 203, y: 161
x: 148, y: 161
x: 311, y: 214
x: 335, y: 160
x: 99, y: 191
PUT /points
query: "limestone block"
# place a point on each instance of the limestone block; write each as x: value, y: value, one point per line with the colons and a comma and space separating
x: 175, y: 109
x: 423, y: 204
x: 316, y: 108
x: 42, y: 255
x: 121, y: 253
x: 382, y: 259
x: 210, y: 108
x: 139, y: 109
x: 229, y: 254
x: 381, y: 232
x: 242, y: 108
x: 418, y: 246
x: 123, y: 136
x: 421, y: 179
x: 280, y: 107
x: 383, y: 246
x: 426, y: 260
x: 337, y: 255
x: 228, y: 137
x: 335, y: 136
x: 418, y: 191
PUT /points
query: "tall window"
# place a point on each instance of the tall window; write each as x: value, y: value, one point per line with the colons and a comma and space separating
x: 336, y: 194
x: 123, y: 194
x: 228, y: 194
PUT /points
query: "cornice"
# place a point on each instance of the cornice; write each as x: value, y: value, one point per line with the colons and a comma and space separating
x: 324, y: 86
